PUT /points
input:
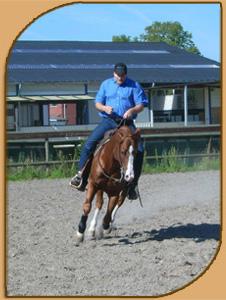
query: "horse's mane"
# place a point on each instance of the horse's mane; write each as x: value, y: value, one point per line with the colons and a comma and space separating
x: 125, y: 131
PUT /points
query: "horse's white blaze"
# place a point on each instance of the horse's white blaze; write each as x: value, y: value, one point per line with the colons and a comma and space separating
x: 129, y: 175
x: 93, y: 223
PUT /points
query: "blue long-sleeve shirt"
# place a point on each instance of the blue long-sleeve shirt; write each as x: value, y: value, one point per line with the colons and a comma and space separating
x: 120, y: 97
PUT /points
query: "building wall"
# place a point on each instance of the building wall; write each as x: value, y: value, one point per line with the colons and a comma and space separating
x: 168, y: 106
x: 29, y: 114
x: 64, y: 111
x: 94, y: 117
x: 11, y: 90
x: 56, y: 111
x: 71, y: 113
x: 45, y: 114
x: 10, y: 117
x: 215, y: 105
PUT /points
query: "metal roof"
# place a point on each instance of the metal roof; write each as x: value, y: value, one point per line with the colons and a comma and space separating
x: 65, y: 61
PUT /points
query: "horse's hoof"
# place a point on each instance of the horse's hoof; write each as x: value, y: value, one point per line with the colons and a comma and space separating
x: 79, y: 238
x: 107, y: 231
x: 91, y: 235
x: 99, y: 234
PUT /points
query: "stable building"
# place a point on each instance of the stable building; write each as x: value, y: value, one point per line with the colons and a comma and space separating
x: 182, y: 88
x: 51, y: 87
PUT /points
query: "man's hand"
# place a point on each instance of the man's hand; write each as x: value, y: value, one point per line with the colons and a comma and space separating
x: 108, y: 109
x: 128, y: 114
x: 104, y: 108
x: 134, y: 110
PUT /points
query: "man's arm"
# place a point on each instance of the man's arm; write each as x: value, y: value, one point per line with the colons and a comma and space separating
x: 104, y: 108
x: 134, y: 110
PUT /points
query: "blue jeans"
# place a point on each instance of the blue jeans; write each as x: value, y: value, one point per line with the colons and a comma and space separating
x: 96, y: 136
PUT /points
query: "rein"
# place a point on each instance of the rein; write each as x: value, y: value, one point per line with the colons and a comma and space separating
x: 109, y: 176
x: 121, y: 123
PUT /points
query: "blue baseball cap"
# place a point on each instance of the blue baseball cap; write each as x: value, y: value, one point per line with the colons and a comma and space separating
x: 120, y: 69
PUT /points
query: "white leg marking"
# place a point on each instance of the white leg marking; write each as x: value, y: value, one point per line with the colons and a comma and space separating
x: 93, y: 223
x: 79, y: 234
x: 129, y: 176
x: 114, y: 214
x: 79, y: 237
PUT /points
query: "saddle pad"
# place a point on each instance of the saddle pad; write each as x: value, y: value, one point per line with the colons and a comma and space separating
x: 105, y: 139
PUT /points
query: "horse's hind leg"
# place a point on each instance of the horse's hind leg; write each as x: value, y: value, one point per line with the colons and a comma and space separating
x: 86, y: 210
x: 99, y: 204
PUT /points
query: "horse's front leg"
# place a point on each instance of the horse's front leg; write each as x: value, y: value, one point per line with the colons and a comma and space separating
x: 99, y: 204
x: 114, y: 204
x: 87, y: 204
x: 107, y: 221
x: 119, y: 202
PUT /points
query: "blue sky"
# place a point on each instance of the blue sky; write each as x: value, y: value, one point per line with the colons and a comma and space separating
x: 99, y: 22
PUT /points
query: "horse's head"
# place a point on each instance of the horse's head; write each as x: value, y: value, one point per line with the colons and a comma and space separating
x: 127, y: 150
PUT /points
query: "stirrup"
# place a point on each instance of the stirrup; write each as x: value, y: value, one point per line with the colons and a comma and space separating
x: 78, y: 183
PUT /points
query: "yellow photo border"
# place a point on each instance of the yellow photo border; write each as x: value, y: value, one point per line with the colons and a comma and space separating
x: 15, y: 16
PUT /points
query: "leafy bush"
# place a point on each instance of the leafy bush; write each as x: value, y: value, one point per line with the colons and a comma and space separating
x: 168, y: 162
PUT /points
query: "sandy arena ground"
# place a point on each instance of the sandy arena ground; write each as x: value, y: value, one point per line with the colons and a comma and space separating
x: 154, y: 250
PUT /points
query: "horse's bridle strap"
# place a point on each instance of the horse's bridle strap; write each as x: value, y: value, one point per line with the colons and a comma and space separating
x: 105, y: 174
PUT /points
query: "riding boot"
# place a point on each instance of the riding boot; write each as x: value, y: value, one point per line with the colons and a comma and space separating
x: 80, y: 180
x: 133, y: 192
x: 86, y: 170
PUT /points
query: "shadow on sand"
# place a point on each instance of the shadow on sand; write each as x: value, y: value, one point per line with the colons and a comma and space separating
x: 196, y: 232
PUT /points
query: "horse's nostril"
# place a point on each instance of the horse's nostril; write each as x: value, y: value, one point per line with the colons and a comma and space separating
x: 129, y: 178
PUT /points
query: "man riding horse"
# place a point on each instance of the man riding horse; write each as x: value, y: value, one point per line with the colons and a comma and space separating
x: 118, y: 101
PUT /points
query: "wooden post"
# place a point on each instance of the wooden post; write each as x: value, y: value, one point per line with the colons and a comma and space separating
x: 150, y: 107
x: 17, y: 117
x: 207, y: 105
x: 46, y: 150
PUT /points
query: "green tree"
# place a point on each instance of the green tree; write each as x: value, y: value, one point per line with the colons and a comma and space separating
x: 124, y: 38
x: 121, y: 38
x: 171, y: 33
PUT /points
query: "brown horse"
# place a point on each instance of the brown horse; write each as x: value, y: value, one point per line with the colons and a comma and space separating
x: 111, y: 172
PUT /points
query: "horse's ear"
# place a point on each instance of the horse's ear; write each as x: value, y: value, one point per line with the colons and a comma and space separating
x: 136, y: 134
